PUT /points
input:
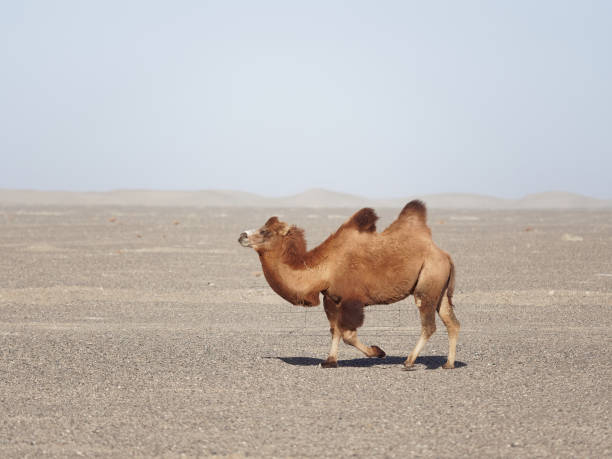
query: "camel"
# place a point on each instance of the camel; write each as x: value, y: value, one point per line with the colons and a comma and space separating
x: 356, y: 267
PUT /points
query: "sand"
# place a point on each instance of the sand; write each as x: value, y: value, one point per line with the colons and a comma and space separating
x: 139, y: 331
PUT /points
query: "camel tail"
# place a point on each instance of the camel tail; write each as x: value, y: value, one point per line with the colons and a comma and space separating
x: 450, y: 289
x: 415, y: 208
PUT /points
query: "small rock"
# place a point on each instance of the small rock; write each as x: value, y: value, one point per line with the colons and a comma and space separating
x: 571, y: 238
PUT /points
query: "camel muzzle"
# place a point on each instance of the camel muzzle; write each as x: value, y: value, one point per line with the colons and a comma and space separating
x: 244, y: 240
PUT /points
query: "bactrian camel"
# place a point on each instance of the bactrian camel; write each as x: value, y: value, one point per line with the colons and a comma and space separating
x: 357, y: 267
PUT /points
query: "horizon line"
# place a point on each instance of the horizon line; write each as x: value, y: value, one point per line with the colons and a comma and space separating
x: 307, y: 190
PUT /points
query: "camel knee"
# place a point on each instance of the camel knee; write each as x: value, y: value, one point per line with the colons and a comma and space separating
x: 453, y: 327
x: 450, y: 321
x: 349, y: 336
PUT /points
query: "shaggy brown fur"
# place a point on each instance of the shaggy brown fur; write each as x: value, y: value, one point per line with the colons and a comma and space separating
x: 357, y: 267
x: 364, y: 220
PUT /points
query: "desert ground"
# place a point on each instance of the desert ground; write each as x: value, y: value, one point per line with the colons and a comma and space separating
x: 139, y: 331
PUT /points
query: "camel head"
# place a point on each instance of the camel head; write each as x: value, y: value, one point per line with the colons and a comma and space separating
x: 268, y: 237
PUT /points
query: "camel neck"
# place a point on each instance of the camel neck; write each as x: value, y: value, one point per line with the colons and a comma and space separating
x: 298, y: 283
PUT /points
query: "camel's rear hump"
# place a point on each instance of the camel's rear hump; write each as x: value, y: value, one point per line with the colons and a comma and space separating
x: 413, y: 212
x: 414, y: 208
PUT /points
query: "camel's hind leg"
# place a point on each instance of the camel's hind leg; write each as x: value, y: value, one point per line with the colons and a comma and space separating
x: 427, y: 310
x: 452, y: 326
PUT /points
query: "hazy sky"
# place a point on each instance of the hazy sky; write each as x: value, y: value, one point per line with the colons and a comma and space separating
x: 378, y: 98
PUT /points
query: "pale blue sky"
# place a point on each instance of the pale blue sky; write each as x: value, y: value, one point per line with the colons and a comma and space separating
x: 375, y: 98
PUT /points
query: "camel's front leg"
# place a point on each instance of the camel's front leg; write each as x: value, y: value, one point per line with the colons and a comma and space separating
x: 350, y: 337
x: 332, y: 358
x: 344, y: 319
x: 332, y: 312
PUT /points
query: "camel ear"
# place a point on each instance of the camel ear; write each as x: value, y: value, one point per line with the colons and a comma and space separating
x: 285, y: 230
x: 271, y: 221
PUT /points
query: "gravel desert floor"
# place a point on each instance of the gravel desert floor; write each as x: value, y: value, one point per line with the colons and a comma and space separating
x: 152, y: 332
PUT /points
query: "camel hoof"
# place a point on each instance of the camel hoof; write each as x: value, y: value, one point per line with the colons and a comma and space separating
x: 329, y: 364
x: 448, y: 366
x: 408, y: 365
x: 378, y: 352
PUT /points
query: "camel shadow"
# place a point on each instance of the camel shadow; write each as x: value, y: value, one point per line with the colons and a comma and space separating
x: 431, y: 362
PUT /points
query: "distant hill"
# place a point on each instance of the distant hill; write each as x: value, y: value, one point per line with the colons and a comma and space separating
x: 561, y: 200
x: 465, y: 201
x: 309, y: 198
x: 317, y: 197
